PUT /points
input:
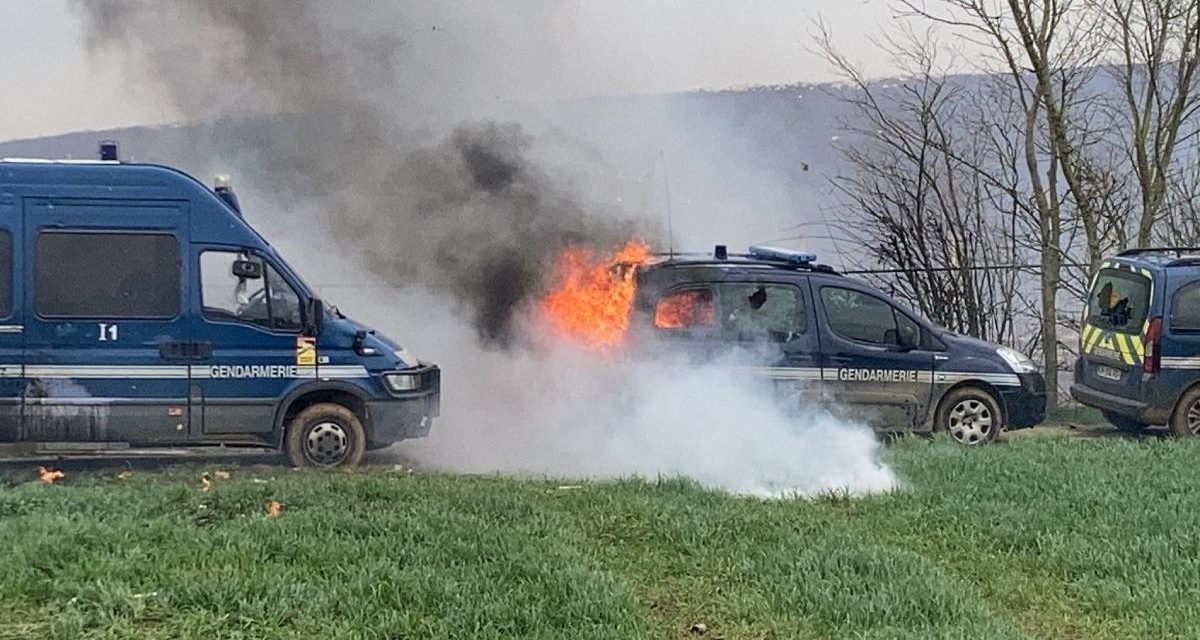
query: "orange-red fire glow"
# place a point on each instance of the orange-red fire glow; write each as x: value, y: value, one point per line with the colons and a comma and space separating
x: 684, y: 310
x: 593, y: 293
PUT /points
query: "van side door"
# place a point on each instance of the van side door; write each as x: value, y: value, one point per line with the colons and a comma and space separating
x: 248, y: 317
x: 104, y: 296
x: 12, y: 322
x: 873, y: 356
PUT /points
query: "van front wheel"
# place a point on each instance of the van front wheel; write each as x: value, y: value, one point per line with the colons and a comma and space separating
x: 326, y: 435
x: 971, y: 416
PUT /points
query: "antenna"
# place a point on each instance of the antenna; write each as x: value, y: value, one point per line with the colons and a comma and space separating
x: 670, y: 225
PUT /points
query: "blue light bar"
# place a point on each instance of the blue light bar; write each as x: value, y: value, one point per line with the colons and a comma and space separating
x: 783, y: 255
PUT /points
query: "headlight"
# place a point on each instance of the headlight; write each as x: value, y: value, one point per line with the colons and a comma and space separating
x: 400, y: 382
x: 1016, y: 360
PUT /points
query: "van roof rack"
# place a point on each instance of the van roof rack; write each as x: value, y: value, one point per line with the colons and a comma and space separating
x: 723, y: 257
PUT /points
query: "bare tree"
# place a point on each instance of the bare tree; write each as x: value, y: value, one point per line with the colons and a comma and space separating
x: 928, y: 212
x: 1047, y: 49
x: 1157, y: 45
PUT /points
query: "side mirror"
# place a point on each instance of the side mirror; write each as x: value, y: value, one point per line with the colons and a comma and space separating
x: 247, y: 269
x: 314, y: 317
x: 903, y: 341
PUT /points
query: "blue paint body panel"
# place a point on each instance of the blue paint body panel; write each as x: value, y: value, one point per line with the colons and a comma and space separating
x: 187, y: 375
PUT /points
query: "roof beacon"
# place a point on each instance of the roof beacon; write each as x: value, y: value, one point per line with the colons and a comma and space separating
x: 108, y: 151
x: 783, y: 255
x: 223, y: 187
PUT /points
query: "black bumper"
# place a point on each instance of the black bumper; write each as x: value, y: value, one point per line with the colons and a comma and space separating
x: 409, y: 414
x: 1025, y: 406
x: 1129, y: 408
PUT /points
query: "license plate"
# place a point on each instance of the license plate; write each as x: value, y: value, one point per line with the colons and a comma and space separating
x: 1108, y: 373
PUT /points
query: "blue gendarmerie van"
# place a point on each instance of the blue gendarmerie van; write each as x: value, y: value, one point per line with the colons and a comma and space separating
x: 139, y: 309
x: 837, y: 339
x: 1139, y: 348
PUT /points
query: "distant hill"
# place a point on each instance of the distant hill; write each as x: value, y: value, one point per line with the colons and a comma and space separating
x: 735, y: 160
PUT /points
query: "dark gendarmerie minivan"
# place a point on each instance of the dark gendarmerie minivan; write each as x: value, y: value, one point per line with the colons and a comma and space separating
x: 813, y: 328
x: 139, y: 309
x: 1139, y: 349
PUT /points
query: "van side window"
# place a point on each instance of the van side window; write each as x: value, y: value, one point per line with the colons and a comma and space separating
x: 1185, y: 308
x: 239, y: 287
x: 762, y: 312
x: 687, y: 309
x: 861, y: 317
x: 83, y: 274
x: 6, y: 270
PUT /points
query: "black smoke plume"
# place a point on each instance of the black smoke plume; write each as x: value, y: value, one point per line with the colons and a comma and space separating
x: 363, y: 130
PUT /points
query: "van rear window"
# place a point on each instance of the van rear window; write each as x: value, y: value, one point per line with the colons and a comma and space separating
x: 1119, y: 301
x: 106, y: 275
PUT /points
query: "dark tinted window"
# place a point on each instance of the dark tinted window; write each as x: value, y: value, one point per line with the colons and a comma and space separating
x: 1185, y: 309
x: 858, y: 316
x: 106, y: 275
x: 5, y: 273
x: 1119, y: 301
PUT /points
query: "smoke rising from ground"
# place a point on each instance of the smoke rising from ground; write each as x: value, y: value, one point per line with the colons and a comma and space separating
x: 565, y: 412
x: 380, y: 128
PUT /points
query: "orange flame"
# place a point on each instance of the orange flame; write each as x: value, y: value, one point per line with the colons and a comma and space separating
x: 594, y: 293
x: 49, y: 476
x: 685, y: 309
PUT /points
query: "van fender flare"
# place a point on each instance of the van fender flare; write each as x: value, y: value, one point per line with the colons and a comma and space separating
x: 987, y: 387
x: 281, y: 410
x: 1177, y: 397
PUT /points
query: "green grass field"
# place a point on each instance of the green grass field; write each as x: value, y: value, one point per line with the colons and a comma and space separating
x: 1042, y: 537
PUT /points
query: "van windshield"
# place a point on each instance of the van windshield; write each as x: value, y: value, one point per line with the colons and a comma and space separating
x: 1119, y: 301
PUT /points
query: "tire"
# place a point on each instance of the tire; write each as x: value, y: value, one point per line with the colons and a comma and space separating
x: 970, y: 415
x: 1124, y: 424
x: 1185, y: 419
x: 326, y: 435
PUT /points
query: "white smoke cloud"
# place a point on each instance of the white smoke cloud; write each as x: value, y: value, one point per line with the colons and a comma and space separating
x: 563, y: 411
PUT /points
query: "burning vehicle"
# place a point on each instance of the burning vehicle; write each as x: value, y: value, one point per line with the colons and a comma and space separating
x: 817, y: 335
x: 138, y: 308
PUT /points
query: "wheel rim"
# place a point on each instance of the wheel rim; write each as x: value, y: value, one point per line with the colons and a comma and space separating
x: 1193, y: 419
x: 327, y: 443
x: 971, y: 421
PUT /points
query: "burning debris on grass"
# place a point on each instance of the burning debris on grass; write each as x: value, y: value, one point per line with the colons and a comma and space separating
x: 47, y: 475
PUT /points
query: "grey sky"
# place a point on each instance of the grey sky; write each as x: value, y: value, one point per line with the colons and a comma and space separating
x: 50, y: 83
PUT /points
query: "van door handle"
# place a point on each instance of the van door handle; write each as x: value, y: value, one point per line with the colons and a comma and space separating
x: 174, y: 350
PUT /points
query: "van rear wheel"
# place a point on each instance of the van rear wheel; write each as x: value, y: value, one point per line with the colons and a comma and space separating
x: 326, y: 435
x: 971, y: 416
x: 1185, y: 420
